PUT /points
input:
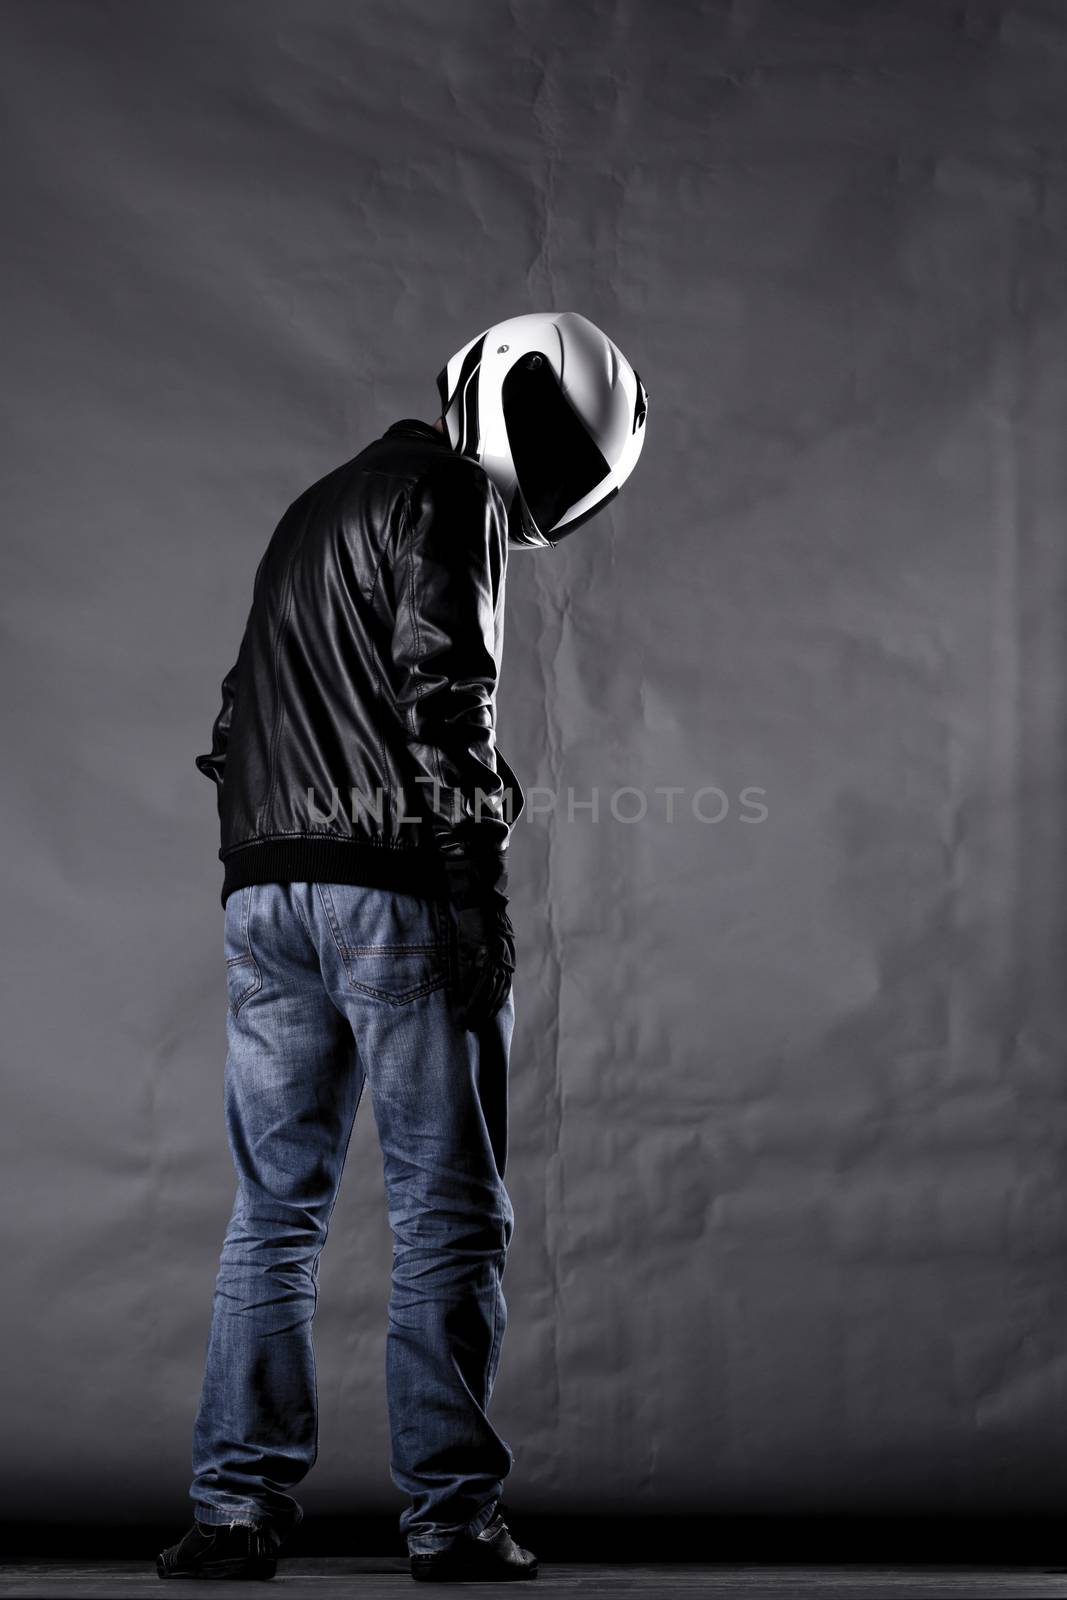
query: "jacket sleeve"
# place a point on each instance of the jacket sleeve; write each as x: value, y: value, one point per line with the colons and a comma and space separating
x: 213, y: 764
x: 449, y: 595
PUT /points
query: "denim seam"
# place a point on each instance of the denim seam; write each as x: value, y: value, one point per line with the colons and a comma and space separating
x: 315, y: 1271
x: 492, y: 1343
x: 331, y: 917
x: 247, y: 956
x: 390, y: 949
x: 404, y: 997
x: 259, y: 1520
x: 300, y: 913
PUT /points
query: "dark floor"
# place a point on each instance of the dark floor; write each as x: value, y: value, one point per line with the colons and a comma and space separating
x: 842, y: 1558
x: 383, y: 1578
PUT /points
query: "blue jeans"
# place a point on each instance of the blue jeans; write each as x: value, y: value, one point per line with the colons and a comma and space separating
x: 331, y: 987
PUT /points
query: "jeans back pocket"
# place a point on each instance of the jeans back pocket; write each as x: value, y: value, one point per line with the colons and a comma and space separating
x: 394, y: 947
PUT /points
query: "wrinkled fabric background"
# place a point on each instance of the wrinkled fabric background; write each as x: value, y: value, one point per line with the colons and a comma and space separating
x: 788, y: 1119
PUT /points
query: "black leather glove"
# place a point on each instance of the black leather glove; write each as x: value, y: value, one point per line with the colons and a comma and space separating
x: 485, y: 961
x: 484, y: 943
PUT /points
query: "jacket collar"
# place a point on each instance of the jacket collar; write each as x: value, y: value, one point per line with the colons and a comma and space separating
x: 412, y: 427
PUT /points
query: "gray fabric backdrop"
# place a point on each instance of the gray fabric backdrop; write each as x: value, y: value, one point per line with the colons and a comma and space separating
x: 788, y: 1116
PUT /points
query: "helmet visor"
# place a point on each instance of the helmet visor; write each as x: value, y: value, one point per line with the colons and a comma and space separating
x: 557, y: 462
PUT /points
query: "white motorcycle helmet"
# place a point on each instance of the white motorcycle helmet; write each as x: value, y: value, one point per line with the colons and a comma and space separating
x: 553, y: 411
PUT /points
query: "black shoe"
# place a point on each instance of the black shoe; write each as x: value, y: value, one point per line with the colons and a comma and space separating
x: 491, y: 1557
x: 224, y: 1552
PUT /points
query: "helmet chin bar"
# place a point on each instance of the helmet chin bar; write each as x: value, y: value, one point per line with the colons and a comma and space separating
x: 523, y: 532
x: 562, y: 529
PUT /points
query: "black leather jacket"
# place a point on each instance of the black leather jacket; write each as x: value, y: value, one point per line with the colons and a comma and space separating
x: 356, y: 739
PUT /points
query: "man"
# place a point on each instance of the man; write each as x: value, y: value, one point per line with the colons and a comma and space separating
x: 365, y: 816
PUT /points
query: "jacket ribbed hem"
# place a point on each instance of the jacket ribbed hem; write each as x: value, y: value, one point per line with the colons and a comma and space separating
x: 407, y: 869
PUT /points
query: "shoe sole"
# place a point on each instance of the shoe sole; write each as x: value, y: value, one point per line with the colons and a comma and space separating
x: 235, y: 1571
x: 480, y: 1576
